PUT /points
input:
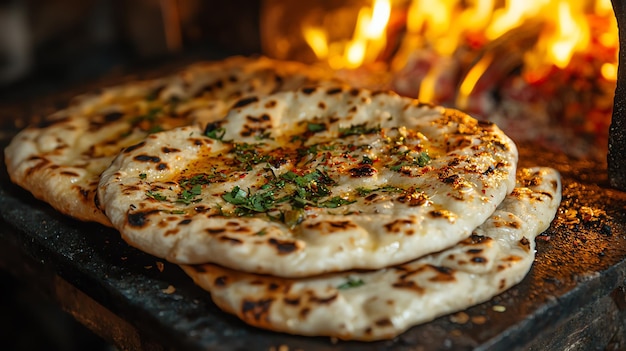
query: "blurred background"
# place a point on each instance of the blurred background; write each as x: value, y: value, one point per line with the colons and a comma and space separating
x: 48, y: 45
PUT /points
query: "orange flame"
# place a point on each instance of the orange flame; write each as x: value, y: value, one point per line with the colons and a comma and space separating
x: 367, y: 42
x: 446, y: 25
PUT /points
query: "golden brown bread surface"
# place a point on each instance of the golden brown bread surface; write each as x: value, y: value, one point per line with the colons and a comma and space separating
x: 60, y: 159
x: 311, y: 181
x: 380, y: 304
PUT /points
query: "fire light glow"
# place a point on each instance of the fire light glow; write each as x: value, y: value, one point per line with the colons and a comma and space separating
x: 445, y: 26
x: 528, y: 65
x: 365, y: 45
x: 572, y: 33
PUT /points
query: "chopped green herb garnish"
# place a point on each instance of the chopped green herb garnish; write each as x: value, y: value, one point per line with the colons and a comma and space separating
x: 247, y: 155
x: 201, y: 179
x: 188, y: 196
x: 237, y: 196
x: 335, y: 202
x: 296, y: 191
x: 399, y: 167
x: 155, y: 195
x: 262, y: 136
x: 142, y: 176
x: 367, y: 160
x: 214, y: 131
x: 315, y: 127
x: 423, y: 159
x: 293, y: 217
x: 351, y: 283
x: 364, y: 191
x: 248, y: 204
x: 155, y: 129
x: 358, y: 129
x: 385, y: 189
x: 310, y: 186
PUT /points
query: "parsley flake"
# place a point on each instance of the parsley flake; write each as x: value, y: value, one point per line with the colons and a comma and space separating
x: 266, y: 135
x: 214, y: 131
x: 189, y: 196
x: 358, y: 129
x: 421, y: 160
x: 315, y: 127
x: 247, y: 203
x: 351, y: 283
x: 335, y: 202
x: 247, y: 155
x: 386, y: 189
x: 155, y: 195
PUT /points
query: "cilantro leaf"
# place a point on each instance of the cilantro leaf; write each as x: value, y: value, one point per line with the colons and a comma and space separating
x: 315, y: 127
x: 201, y: 179
x: 247, y: 203
x: 358, y: 129
x: 335, y: 202
x: 351, y: 283
x: 214, y: 131
x: 188, y: 196
x: 423, y: 159
x: 265, y: 135
x: 247, y: 155
x: 155, y: 195
x: 237, y: 196
x: 386, y: 189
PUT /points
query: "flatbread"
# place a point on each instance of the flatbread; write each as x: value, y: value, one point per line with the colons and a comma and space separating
x: 60, y: 160
x: 312, y: 181
x: 382, y: 304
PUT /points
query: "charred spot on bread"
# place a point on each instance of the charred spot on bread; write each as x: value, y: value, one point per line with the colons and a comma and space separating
x: 245, y: 101
x: 147, y: 158
x: 283, y: 247
x: 256, y: 310
x: 139, y: 219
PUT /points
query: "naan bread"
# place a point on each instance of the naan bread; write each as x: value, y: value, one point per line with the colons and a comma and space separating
x: 313, y: 181
x: 60, y: 160
x: 382, y: 304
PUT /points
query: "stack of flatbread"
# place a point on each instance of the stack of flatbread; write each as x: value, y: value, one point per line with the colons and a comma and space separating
x: 300, y: 204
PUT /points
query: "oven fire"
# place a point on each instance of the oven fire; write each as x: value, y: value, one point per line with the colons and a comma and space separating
x: 544, y: 70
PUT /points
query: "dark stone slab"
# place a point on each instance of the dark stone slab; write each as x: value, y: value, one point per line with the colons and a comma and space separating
x: 573, y: 296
